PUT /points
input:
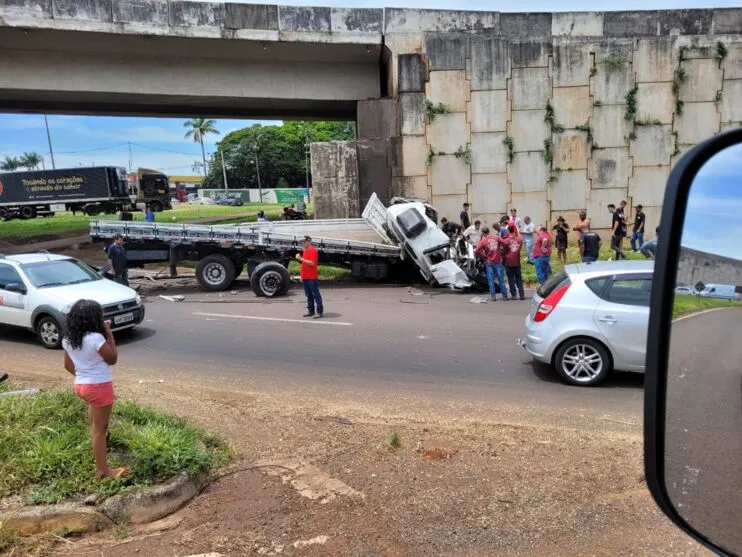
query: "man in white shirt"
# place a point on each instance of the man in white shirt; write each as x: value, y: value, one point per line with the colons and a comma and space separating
x: 529, y: 234
x: 473, y: 234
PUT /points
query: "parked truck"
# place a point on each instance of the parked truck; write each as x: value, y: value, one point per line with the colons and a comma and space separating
x: 150, y: 188
x: 396, y: 241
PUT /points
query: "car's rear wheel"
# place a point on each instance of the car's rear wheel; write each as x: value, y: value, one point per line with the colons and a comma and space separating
x: 582, y: 361
x: 49, y: 332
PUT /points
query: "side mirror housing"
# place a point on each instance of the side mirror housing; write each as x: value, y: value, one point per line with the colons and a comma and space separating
x: 16, y: 287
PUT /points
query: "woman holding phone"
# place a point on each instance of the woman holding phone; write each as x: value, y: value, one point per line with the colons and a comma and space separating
x: 89, y: 352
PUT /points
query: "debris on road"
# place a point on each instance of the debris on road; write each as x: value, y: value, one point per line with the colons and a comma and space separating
x: 606, y: 419
x: 479, y: 300
x: 177, y: 298
x: 319, y: 540
x: 24, y: 392
x: 309, y: 481
x: 336, y: 419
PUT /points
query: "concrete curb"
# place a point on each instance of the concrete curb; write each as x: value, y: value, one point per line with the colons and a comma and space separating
x: 133, y: 508
x: 153, y: 504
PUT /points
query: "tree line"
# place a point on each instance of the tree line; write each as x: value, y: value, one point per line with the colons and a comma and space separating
x: 29, y: 161
x: 277, y: 154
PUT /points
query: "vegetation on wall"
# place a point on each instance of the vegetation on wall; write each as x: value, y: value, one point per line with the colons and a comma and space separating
x: 615, y: 63
x: 432, y: 110
x: 508, y: 142
x: 550, y: 118
x: 721, y: 52
x: 548, y: 151
x: 463, y: 154
x: 631, y: 105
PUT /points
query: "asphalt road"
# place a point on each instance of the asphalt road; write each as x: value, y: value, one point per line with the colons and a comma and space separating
x: 704, y: 424
x: 372, y: 337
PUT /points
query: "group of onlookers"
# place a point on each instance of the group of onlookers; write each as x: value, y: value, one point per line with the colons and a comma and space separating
x: 500, y: 245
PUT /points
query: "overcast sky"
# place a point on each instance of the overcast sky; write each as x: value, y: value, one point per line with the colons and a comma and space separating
x: 159, y: 142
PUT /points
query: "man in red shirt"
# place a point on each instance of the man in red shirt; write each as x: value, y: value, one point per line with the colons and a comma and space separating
x: 514, y: 245
x: 310, y: 278
x: 542, y: 254
x: 489, y: 250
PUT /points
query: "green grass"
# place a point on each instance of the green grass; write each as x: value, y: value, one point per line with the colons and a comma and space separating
x: 66, y: 223
x: 393, y: 440
x: 684, y: 305
x: 45, y: 448
x: 573, y: 256
x: 325, y: 272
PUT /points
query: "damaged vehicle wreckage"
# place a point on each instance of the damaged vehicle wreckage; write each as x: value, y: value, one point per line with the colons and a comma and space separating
x: 396, y: 242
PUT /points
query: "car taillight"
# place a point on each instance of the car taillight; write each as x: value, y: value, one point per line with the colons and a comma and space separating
x: 548, y: 304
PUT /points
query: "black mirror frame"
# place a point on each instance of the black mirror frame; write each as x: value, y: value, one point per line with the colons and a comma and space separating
x: 20, y: 290
x: 660, y: 319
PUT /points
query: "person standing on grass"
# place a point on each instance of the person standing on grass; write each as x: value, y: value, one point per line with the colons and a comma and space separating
x: 637, y: 235
x: 542, y: 254
x: 309, y: 260
x: 489, y: 250
x: 515, y: 221
x: 529, y: 233
x: 117, y: 260
x: 582, y: 227
x: 561, y: 238
x: 504, y: 223
x: 617, y: 231
x: 149, y: 215
x: 514, y: 245
x: 465, y: 218
x: 89, y: 352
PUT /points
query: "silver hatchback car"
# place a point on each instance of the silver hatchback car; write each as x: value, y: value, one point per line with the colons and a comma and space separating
x: 592, y: 318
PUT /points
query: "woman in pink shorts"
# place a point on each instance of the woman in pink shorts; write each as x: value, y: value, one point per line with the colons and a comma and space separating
x: 89, y: 353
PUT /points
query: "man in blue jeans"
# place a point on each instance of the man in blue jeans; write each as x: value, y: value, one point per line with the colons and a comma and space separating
x: 542, y: 254
x: 489, y: 249
x: 310, y: 279
x: 637, y: 236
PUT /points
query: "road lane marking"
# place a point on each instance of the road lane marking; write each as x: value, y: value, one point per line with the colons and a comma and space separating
x: 307, y: 321
x: 704, y: 312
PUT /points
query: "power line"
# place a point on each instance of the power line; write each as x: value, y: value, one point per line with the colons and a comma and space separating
x: 166, y: 150
x: 106, y: 148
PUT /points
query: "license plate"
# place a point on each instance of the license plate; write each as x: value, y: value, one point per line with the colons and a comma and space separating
x: 125, y: 318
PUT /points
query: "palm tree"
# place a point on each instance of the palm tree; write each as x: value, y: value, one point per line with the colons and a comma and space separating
x: 198, y: 128
x: 11, y: 164
x: 31, y: 160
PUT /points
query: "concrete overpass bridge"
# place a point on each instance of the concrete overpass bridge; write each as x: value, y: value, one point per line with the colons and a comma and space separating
x: 549, y: 113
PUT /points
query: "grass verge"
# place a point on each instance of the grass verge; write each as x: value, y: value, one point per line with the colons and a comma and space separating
x: 66, y: 223
x: 45, y: 449
x: 685, y: 305
x: 325, y: 272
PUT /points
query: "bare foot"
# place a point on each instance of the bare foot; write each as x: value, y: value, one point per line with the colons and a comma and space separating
x: 115, y: 473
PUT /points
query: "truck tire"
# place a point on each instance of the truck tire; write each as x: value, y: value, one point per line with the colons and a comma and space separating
x: 28, y: 212
x: 92, y: 210
x: 3, y: 213
x: 215, y: 272
x: 270, y: 279
x: 156, y: 206
x: 253, y: 263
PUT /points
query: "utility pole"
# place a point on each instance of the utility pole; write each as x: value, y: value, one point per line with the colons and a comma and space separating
x: 49, y: 138
x: 224, y: 171
x: 130, y: 158
x: 257, y: 166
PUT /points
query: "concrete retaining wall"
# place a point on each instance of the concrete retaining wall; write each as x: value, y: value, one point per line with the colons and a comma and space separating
x: 708, y: 268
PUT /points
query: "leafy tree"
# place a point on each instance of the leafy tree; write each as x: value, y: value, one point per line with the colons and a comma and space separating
x: 197, y: 129
x: 31, y: 160
x: 11, y: 164
x: 279, y: 152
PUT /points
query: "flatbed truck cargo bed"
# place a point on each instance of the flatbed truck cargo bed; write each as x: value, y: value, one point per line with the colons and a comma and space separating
x: 407, y: 241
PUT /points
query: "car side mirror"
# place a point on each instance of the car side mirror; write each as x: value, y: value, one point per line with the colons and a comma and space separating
x: 16, y: 287
x: 693, y: 398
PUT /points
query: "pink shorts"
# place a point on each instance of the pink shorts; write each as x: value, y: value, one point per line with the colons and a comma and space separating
x: 97, y: 394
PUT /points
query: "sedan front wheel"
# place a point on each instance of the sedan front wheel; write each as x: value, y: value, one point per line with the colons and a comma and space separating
x: 49, y: 332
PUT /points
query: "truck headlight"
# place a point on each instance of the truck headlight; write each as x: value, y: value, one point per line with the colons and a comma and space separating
x: 138, y: 300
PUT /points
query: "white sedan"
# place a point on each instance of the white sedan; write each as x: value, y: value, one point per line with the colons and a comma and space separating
x: 37, y: 291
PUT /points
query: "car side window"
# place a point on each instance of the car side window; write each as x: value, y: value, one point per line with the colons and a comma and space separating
x: 630, y: 292
x: 8, y: 275
x: 597, y: 285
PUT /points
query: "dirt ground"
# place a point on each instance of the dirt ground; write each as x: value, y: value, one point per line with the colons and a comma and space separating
x: 313, y: 475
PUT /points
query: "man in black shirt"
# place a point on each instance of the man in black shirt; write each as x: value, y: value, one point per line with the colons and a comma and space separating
x: 618, y: 231
x: 465, y: 218
x: 637, y: 236
x: 590, y: 247
x: 450, y: 228
x: 117, y: 260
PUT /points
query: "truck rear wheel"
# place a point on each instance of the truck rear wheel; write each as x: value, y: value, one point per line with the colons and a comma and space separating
x: 215, y: 272
x: 156, y: 206
x: 92, y: 210
x: 28, y: 212
x: 3, y: 213
x: 270, y: 279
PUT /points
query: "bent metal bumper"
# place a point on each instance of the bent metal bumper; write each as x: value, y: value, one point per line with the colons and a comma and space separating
x: 448, y: 273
